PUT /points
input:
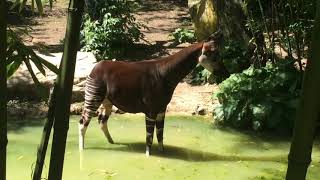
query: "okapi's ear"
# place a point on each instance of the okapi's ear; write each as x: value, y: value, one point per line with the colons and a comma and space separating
x: 209, y: 46
x: 216, y: 36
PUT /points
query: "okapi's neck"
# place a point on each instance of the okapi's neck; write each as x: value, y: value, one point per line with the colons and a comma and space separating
x: 175, y: 67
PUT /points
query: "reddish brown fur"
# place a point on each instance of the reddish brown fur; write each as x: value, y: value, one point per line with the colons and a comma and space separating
x: 145, y: 86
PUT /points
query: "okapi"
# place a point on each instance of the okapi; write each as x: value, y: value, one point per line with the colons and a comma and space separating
x: 144, y: 86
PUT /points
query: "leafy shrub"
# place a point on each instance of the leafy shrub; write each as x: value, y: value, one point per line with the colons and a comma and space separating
x: 199, y: 76
x: 233, y: 57
x: 259, y: 99
x: 110, y: 29
x: 182, y: 35
x: 234, y: 60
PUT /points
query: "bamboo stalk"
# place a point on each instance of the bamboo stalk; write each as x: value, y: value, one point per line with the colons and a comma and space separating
x: 3, y: 89
x: 308, y: 112
x: 264, y: 20
x: 64, y: 89
x: 42, y: 148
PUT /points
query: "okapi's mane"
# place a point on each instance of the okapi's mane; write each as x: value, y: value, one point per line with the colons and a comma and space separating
x: 172, y: 60
x: 178, y: 65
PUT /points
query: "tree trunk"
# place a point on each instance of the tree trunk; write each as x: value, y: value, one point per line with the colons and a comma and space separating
x: 42, y: 149
x: 3, y: 89
x: 308, y: 112
x: 64, y: 89
x: 231, y: 20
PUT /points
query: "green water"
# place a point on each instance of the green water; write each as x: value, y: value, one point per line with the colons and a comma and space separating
x: 193, y: 150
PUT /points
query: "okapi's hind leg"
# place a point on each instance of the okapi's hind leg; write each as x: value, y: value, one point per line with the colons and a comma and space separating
x: 159, y: 127
x: 84, y: 122
x: 83, y: 125
x: 94, y: 95
x: 104, y: 113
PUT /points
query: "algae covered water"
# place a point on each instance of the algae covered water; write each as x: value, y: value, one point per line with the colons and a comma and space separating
x: 194, y: 149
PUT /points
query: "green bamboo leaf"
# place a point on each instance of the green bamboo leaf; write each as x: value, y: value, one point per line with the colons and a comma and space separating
x: 40, y: 88
x: 13, y: 67
x: 10, y: 53
x: 32, y: 5
x: 22, y: 5
x: 50, y: 3
x: 39, y: 6
x: 46, y: 63
x: 37, y: 62
x: 49, y: 65
x: 15, y: 4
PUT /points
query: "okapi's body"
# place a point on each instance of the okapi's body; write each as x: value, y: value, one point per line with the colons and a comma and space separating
x: 145, y: 86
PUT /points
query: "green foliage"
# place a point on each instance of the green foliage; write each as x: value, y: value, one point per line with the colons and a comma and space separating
x: 111, y: 29
x: 18, y: 53
x: 233, y: 57
x: 265, y: 96
x: 182, y: 35
x: 199, y: 76
x: 287, y: 23
x: 259, y: 98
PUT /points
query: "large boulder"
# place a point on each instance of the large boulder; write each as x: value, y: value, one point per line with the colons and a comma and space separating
x: 21, y: 85
x: 204, y: 17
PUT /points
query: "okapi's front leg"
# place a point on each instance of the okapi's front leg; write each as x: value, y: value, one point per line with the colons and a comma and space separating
x: 150, y: 124
x: 159, y: 127
x: 103, y: 117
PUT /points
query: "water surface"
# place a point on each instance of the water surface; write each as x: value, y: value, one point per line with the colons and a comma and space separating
x: 193, y: 150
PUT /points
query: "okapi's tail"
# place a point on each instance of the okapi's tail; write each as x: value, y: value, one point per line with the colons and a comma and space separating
x: 94, y: 94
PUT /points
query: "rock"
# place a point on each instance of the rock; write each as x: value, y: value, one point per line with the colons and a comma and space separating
x: 200, y: 110
x: 76, y: 108
x: 204, y: 17
x: 20, y: 110
x: 77, y: 94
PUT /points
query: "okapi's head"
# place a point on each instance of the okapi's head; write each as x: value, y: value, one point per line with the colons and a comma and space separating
x: 210, y: 51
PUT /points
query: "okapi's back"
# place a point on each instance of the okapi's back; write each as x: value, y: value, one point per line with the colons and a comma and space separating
x: 115, y: 68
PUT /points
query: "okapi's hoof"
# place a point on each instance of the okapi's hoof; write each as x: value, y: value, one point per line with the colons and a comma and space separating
x: 160, y: 146
x: 147, y: 151
x: 110, y: 140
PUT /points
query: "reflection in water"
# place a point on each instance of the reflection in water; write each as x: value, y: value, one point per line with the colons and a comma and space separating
x: 81, y: 159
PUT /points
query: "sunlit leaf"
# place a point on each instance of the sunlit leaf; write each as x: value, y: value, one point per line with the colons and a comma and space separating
x: 13, y: 66
x: 44, y: 62
x: 38, y: 63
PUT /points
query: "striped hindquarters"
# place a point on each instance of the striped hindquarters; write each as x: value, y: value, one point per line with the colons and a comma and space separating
x: 94, y: 95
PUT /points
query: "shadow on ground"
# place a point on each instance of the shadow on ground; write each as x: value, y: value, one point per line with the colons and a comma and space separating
x: 181, y: 153
x: 145, y: 6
